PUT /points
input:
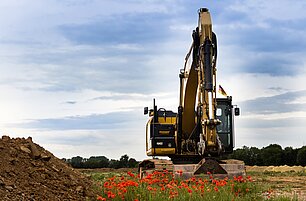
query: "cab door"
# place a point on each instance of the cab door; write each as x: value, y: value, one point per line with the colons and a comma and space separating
x: 225, y: 129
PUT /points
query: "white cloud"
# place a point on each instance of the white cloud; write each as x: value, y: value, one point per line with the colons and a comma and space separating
x: 45, y: 74
x: 273, y: 9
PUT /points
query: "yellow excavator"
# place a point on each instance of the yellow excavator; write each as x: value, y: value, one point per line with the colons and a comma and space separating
x: 202, y: 130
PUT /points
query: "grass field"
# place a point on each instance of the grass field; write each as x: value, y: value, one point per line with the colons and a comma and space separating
x: 125, y: 185
x: 289, y: 184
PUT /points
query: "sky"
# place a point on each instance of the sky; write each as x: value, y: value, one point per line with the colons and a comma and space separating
x: 76, y: 74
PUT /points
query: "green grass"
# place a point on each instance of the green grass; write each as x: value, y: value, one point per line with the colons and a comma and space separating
x: 162, y: 186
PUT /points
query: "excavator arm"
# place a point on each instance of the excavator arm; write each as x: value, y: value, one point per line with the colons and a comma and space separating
x: 198, y: 91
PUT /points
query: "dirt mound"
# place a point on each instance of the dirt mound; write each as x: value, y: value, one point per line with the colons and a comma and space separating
x: 29, y: 172
x: 283, y: 168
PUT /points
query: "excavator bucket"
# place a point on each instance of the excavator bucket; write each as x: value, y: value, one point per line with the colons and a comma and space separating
x: 209, y: 166
x: 220, y: 168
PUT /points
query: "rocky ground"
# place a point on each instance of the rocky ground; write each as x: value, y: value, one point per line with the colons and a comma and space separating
x: 29, y: 172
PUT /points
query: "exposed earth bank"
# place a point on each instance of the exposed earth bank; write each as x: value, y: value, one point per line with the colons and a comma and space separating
x: 29, y: 172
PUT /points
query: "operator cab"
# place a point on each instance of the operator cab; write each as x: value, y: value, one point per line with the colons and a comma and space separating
x: 225, y: 113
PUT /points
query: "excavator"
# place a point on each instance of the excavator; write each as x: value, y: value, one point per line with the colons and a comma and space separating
x: 202, y: 130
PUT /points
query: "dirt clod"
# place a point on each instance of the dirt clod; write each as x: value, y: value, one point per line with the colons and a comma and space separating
x: 29, y: 172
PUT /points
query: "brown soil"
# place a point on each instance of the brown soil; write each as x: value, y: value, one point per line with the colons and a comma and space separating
x: 29, y: 172
x: 283, y: 168
x: 284, y: 180
x: 290, y: 185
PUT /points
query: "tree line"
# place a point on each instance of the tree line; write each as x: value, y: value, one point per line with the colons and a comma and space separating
x: 101, y: 162
x: 273, y: 154
x: 270, y: 155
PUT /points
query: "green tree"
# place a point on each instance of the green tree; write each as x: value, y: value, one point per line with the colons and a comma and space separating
x: 124, y: 161
x: 114, y: 164
x: 77, y: 162
x: 272, y: 155
x: 255, y: 156
x: 96, y: 162
x: 289, y: 156
x: 132, y: 163
x: 301, y: 156
x: 242, y: 154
